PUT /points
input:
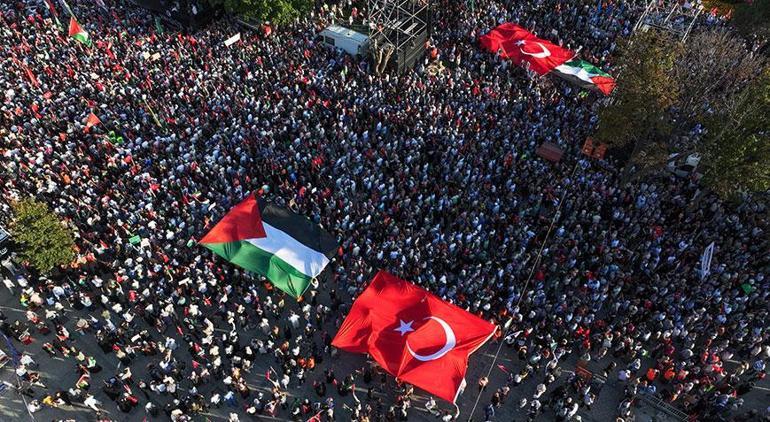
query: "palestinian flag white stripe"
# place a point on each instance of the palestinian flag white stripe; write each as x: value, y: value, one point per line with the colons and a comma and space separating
x: 306, y: 260
x: 286, y: 248
x: 586, y: 75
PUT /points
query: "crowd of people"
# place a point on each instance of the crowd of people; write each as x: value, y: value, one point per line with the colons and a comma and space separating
x: 430, y: 175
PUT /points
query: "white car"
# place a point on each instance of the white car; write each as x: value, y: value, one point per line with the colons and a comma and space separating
x: 681, y: 166
x: 5, y: 240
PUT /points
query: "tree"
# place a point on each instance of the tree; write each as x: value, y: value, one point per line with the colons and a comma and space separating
x: 45, y: 242
x: 752, y: 18
x: 737, y: 143
x: 275, y: 11
x: 711, y: 69
x: 667, y: 88
x: 639, y: 112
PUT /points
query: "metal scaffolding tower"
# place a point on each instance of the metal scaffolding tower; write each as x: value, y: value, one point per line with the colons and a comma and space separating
x: 670, y: 16
x: 397, y: 28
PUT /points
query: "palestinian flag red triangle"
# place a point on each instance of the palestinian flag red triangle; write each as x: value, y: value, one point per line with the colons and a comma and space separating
x: 244, y: 221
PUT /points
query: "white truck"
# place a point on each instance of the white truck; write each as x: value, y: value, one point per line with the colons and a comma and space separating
x: 354, y: 43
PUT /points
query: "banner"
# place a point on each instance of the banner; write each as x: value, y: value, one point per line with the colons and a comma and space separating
x: 232, y: 40
x: 705, y: 261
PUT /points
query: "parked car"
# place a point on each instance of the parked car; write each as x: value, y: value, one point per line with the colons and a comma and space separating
x: 5, y: 242
x: 683, y: 166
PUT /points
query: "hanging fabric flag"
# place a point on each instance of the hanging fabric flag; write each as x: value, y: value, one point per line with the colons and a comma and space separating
x: 287, y: 248
x: 79, y: 33
x: 521, y: 46
x: 54, y: 12
x: 31, y: 76
x: 92, y: 121
x: 414, y: 335
x: 586, y: 75
x: 158, y: 26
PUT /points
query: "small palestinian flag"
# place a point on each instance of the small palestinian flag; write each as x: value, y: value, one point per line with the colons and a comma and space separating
x: 78, y: 33
x: 586, y: 75
x: 263, y: 238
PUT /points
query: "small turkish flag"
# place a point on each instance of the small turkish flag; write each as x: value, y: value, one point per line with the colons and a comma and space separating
x: 413, y: 335
x: 92, y: 121
x: 516, y: 43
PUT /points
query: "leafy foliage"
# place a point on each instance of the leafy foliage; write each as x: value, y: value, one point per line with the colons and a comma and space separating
x: 711, y: 69
x: 275, y: 11
x: 639, y: 115
x: 645, y: 91
x: 753, y: 18
x: 737, y: 150
x: 666, y: 89
x: 44, y: 241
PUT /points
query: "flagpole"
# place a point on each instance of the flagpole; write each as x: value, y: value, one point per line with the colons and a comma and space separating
x: 524, y: 289
x: 152, y: 113
x: 67, y: 7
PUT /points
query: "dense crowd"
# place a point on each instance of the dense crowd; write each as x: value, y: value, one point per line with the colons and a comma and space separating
x: 430, y: 175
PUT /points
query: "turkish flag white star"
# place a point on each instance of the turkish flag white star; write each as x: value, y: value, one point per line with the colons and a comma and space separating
x: 404, y: 327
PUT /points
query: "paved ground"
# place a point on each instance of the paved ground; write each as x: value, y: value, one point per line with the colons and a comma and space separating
x: 59, y: 373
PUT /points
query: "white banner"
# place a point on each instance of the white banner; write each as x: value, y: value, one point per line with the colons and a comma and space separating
x: 232, y: 40
x: 705, y: 261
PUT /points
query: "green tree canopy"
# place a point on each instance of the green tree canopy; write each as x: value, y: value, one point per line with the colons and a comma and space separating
x: 639, y: 112
x: 275, y: 11
x: 737, y: 143
x: 45, y: 242
x: 645, y: 90
x: 753, y: 18
x: 667, y: 88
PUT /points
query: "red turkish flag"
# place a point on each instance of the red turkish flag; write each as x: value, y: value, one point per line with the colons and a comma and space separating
x: 91, y: 121
x: 516, y: 43
x: 414, y: 335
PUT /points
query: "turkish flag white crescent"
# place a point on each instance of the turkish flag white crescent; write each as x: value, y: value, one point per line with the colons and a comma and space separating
x: 521, y: 46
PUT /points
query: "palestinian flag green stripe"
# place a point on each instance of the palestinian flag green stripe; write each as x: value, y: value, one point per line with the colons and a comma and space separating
x: 586, y: 75
x: 298, y: 227
x: 285, y: 247
x: 250, y: 257
x: 83, y: 38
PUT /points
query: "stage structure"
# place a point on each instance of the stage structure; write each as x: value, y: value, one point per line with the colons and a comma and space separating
x: 398, y: 30
x: 669, y: 16
x: 181, y: 14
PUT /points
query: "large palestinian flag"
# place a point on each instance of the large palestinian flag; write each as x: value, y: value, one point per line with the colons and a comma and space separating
x: 586, y: 75
x: 272, y: 241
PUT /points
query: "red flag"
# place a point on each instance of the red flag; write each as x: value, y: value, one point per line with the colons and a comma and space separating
x: 316, y: 417
x: 92, y: 121
x: 74, y: 27
x: 243, y: 221
x: 413, y: 334
x: 52, y: 9
x: 516, y: 43
x: 32, y: 78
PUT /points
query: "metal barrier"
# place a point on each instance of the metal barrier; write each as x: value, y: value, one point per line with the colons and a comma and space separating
x: 652, y: 400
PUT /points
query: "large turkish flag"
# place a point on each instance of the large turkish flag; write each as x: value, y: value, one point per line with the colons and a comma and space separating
x: 414, y: 335
x: 516, y: 43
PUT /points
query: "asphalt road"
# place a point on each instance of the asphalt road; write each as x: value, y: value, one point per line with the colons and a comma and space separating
x: 59, y: 373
